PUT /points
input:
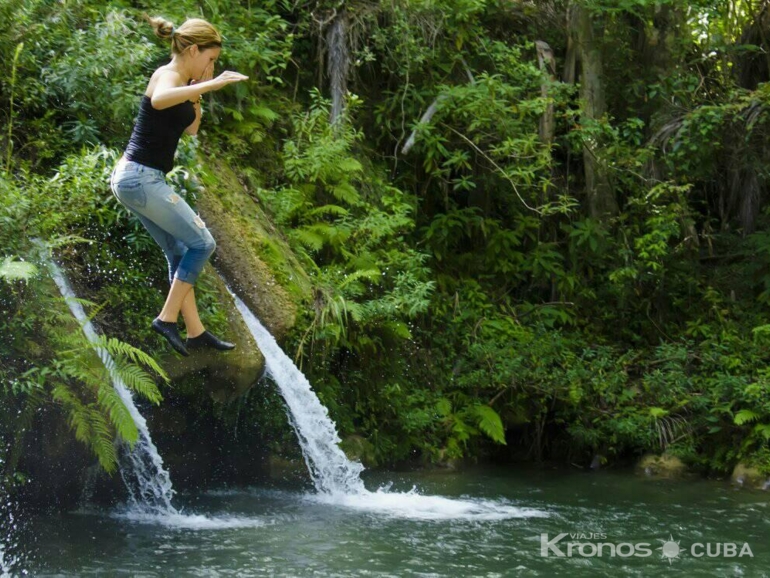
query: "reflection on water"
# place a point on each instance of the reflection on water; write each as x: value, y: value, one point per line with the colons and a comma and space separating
x: 482, y: 522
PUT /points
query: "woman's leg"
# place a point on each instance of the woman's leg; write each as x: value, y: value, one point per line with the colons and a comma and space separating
x: 176, y: 228
x: 187, y: 244
x: 192, y: 320
x: 174, y: 251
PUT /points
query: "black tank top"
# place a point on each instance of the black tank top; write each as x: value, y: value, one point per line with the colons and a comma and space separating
x: 156, y: 133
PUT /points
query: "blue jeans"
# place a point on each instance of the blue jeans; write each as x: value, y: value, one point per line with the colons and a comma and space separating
x: 181, y: 233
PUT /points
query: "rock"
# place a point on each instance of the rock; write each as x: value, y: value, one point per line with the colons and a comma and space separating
x: 663, y: 466
x: 748, y: 477
x: 359, y: 449
x: 227, y: 374
x: 251, y: 254
x: 285, y: 469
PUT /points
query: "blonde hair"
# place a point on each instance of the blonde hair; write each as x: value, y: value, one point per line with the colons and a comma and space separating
x: 193, y: 31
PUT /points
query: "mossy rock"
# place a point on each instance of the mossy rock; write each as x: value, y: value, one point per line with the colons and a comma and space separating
x: 252, y: 255
x: 661, y: 466
x: 359, y: 449
x: 749, y: 477
x: 226, y: 375
x: 280, y: 468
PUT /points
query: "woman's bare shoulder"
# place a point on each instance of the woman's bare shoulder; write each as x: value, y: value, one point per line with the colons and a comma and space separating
x: 156, y: 76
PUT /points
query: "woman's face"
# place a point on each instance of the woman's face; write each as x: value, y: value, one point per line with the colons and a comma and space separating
x: 200, y: 60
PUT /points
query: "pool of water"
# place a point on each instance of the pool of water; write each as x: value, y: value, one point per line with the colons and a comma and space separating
x: 489, y: 522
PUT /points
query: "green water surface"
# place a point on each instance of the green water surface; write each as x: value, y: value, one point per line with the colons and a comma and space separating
x: 297, y: 536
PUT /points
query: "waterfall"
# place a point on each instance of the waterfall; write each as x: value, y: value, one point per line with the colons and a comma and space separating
x: 336, y: 478
x: 5, y: 565
x: 330, y: 469
x: 141, y: 468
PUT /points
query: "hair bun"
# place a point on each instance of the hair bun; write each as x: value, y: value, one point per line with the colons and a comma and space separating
x: 163, y: 28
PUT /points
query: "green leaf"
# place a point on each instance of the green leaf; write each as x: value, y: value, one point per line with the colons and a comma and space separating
x: 490, y: 423
x: 658, y: 412
x: 745, y: 416
x: 444, y: 407
x: 17, y: 270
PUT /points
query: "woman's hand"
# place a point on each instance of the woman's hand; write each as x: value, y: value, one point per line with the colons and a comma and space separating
x: 227, y: 77
x: 208, y: 74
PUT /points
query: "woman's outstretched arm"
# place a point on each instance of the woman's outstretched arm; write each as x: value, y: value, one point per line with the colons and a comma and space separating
x: 171, y: 90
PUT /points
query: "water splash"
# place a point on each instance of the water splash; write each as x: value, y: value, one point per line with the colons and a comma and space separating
x: 192, y: 521
x: 148, y: 482
x: 330, y: 469
x: 415, y: 506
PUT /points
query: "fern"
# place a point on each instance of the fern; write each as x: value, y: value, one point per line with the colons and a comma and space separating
x: 490, y: 423
x: 11, y: 270
x: 110, y: 401
x: 102, y: 441
x: 137, y: 380
x: 745, y: 416
x: 84, y: 388
x: 119, y: 348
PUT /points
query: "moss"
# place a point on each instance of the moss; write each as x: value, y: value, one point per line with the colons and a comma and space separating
x: 251, y: 254
x: 748, y: 476
x: 662, y: 466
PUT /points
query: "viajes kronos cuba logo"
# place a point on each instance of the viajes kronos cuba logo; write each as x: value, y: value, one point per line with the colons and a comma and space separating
x: 597, y: 545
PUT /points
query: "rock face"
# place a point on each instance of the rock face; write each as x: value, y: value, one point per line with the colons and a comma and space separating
x: 196, y: 427
x: 256, y: 262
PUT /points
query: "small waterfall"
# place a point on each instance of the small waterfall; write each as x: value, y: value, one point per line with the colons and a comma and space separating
x: 336, y: 478
x: 148, y: 483
x: 330, y: 469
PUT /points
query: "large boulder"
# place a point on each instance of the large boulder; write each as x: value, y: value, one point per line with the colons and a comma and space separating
x: 227, y: 374
x: 255, y: 260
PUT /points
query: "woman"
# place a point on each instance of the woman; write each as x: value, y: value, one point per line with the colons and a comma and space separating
x: 171, y: 105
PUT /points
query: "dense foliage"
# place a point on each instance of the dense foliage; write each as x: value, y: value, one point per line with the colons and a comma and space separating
x: 567, y: 258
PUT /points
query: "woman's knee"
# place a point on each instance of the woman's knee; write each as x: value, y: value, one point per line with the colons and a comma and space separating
x: 209, y: 244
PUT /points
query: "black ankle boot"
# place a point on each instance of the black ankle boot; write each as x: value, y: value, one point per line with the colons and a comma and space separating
x: 169, y: 330
x: 208, y: 339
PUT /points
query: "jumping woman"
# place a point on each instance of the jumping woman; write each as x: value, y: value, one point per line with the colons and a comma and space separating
x: 171, y: 105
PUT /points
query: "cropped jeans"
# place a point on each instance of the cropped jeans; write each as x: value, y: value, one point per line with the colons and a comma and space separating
x: 181, y: 233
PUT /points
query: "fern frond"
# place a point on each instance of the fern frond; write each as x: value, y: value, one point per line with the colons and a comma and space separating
x: 490, y: 423
x: 346, y: 192
x: 11, y: 270
x: 327, y: 210
x: 373, y: 275
x: 120, y: 348
x: 120, y: 417
x: 78, y: 414
x: 311, y: 239
x: 136, y: 379
x: 102, y: 442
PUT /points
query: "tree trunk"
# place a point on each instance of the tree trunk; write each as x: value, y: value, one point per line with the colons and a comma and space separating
x: 599, y: 192
x: 338, y: 65
x: 547, y: 64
